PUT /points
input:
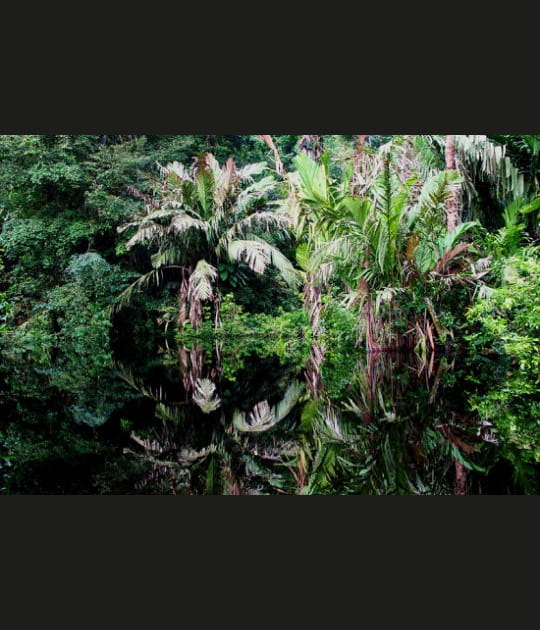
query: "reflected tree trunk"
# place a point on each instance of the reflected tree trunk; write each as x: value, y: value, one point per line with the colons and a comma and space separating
x: 461, y: 478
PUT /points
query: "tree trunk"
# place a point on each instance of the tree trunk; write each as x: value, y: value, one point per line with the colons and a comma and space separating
x: 461, y: 478
x: 313, y: 306
x: 452, y: 203
x: 280, y: 170
x: 358, y: 179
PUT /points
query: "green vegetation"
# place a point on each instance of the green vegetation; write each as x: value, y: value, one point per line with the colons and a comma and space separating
x: 269, y: 314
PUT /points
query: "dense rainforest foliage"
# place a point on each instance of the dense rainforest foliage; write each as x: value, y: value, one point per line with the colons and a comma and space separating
x: 294, y: 314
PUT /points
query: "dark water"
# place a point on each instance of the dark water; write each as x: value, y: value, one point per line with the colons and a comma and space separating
x: 179, y: 423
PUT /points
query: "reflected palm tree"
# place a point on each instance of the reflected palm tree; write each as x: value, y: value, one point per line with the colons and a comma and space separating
x: 396, y: 431
x: 200, y: 445
x: 394, y: 435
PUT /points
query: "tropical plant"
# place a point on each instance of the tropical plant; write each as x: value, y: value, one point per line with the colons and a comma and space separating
x: 206, y: 215
x: 382, y: 245
x: 504, y: 336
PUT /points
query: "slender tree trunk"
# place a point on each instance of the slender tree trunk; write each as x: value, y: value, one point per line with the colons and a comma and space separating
x: 461, y: 478
x: 358, y: 152
x: 311, y: 145
x: 358, y: 180
x: 452, y: 204
x: 313, y: 306
x: 280, y: 170
x: 452, y: 221
x: 183, y: 299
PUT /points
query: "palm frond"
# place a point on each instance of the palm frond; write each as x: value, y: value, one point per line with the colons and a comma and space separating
x: 175, y: 169
x: 263, y: 417
x: 436, y: 190
x: 154, y: 392
x: 204, y: 395
x: 314, y: 181
x: 225, y: 179
x: 253, y: 193
x: 157, y: 216
x: 183, y: 222
x: 253, y: 253
x: 280, y: 221
x: 258, y: 254
x: 143, y: 235
x: 188, y: 456
x: 248, y: 172
x: 201, y: 282
x: 289, y: 400
x: 155, y: 276
x: 169, y: 257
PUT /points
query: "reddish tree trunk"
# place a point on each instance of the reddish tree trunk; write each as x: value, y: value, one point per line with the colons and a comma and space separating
x: 280, y: 170
x: 461, y: 478
x: 452, y: 204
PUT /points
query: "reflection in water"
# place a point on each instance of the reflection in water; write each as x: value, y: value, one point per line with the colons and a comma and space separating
x: 398, y: 427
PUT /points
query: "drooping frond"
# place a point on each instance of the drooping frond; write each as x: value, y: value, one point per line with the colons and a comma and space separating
x: 263, y: 417
x: 188, y: 456
x: 126, y: 226
x: 201, y: 282
x: 253, y: 193
x: 144, y: 235
x: 478, y: 156
x: 169, y: 257
x: 183, y: 222
x: 260, y: 418
x: 248, y: 172
x: 289, y: 400
x: 154, y: 392
x: 157, y: 217
x: 258, y: 254
x: 155, y: 276
x: 477, y: 153
x: 253, y: 253
x: 267, y: 220
x: 204, y: 395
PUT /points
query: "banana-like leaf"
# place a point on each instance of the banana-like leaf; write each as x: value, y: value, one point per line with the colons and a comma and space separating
x: 314, y: 180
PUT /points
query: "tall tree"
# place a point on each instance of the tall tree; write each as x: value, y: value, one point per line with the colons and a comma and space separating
x: 204, y: 215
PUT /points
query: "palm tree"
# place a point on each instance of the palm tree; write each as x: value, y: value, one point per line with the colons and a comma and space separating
x: 382, y: 242
x: 208, y: 214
